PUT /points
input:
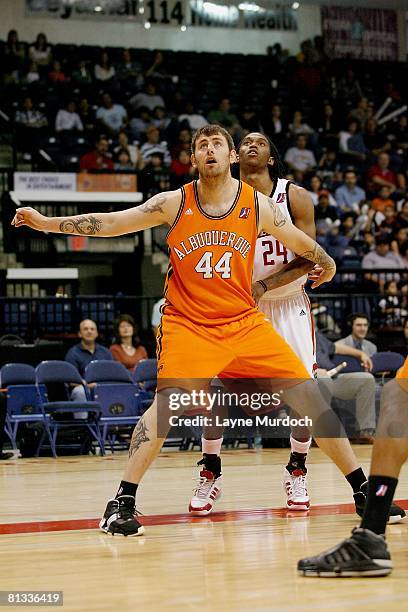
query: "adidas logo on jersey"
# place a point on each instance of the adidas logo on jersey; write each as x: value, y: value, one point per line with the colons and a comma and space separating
x: 302, y: 313
x: 188, y: 211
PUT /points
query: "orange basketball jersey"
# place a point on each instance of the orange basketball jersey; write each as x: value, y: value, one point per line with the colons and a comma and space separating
x: 211, y: 259
x: 402, y: 375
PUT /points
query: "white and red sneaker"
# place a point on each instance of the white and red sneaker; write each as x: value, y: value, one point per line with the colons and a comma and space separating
x: 295, y: 486
x: 208, y: 489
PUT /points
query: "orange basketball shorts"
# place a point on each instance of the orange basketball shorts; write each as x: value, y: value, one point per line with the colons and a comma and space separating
x: 402, y: 376
x: 247, y: 348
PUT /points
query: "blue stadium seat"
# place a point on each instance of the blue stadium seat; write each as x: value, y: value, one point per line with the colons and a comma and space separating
x: 145, y: 376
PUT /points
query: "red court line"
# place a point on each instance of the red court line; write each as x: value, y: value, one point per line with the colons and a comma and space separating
x: 251, y: 514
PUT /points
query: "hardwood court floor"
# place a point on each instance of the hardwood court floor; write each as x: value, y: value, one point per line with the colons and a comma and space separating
x: 241, y: 558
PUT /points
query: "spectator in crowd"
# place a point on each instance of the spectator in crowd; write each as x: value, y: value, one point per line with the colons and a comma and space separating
x: 349, y: 195
x: 400, y: 134
x: 401, y: 220
x: 148, y: 98
x: 375, y: 141
x: 224, y: 117
x: 81, y: 354
x: 155, y: 177
x: 161, y: 119
x: 387, y: 225
x: 324, y: 210
x: 274, y: 125
x: 31, y: 124
x: 249, y: 121
x: 181, y: 169
x: 123, y: 162
x: 57, y: 75
x: 358, y: 386
x: 299, y: 158
x: 113, y: 117
x: 328, y: 127
x: 153, y: 146
x: 99, y: 159
x: 360, y: 325
x: 158, y: 72
x: 133, y: 150
x: 129, y: 72
x: 382, y: 257
x: 67, y: 119
x: 362, y: 112
x: 87, y: 115
x: 139, y: 123
x: 402, y: 250
x: 183, y: 143
x: 380, y: 175
x: 82, y: 74
x: 349, y: 89
x: 126, y: 347
x: 194, y: 119
x: 32, y: 75
x: 103, y: 70
x: 391, y: 304
x: 41, y: 52
x: 156, y: 315
x: 383, y: 200
x: 298, y: 126
x: 329, y: 169
x: 351, y: 143
x: 315, y: 190
x: 13, y: 58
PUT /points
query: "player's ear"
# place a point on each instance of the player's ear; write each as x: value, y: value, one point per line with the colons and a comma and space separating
x: 193, y: 160
x: 233, y: 156
x: 271, y: 161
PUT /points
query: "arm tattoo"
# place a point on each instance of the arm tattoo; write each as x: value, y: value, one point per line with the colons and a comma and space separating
x: 154, y: 205
x: 88, y: 226
x: 319, y: 256
x: 139, y: 436
x: 279, y: 218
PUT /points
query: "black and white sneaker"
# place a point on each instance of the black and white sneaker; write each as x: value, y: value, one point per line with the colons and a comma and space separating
x: 120, y: 517
x: 363, y: 554
x: 396, y: 515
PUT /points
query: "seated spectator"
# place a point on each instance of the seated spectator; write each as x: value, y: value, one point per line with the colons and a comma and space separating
x: 224, y: 117
x: 375, y: 141
x: 181, y: 169
x: 315, y: 190
x: 299, y: 157
x: 328, y: 127
x: 126, y: 347
x: 67, y: 119
x: 138, y: 124
x: 349, y: 195
x: 351, y: 143
x: 113, y: 117
x: 194, y: 119
x: 32, y: 75
x: 82, y: 74
x: 360, y: 325
x: 183, y: 143
x: 399, y: 240
x: 133, y: 150
x: 387, y: 225
x: 129, y: 72
x: 358, y: 386
x: 380, y: 174
x: 400, y: 134
x: 349, y: 88
x: 298, y: 127
x: 401, y: 220
x: 41, y: 52
x: 148, y: 98
x: 382, y: 257
x: 362, y: 112
x: 99, y: 159
x: 391, y: 304
x: 31, y: 124
x: 329, y: 169
x: 13, y: 58
x: 159, y: 73
x: 249, y: 121
x: 87, y: 115
x: 383, y: 200
x: 57, y: 75
x: 103, y: 70
x: 153, y: 146
x: 155, y: 177
x: 161, y: 119
x: 274, y: 125
x: 123, y: 162
x: 324, y: 210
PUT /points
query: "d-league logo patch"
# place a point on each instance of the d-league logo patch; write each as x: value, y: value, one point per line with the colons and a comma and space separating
x: 281, y: 198
x: 244, y: 214
x: 381, y: 491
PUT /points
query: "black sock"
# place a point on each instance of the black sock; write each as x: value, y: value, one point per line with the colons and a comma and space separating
x: 212, y: 463
x: 297, y: 462
x: 381, y: 491
x: 356, y: 479
x: 126, y: 488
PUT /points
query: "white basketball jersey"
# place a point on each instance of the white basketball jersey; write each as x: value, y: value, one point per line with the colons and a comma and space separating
x: 270, y: 254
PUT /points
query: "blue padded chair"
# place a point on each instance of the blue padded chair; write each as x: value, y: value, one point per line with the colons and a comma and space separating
x: 51, y: 372
x: 353, y: 364
x: 386, y: 361
x: 23, y: 403
x: 117, y: 394
x: 145, y: 376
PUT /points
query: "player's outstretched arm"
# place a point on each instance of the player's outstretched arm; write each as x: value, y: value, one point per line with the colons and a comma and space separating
x: 274, y: 222
x: 158, y: 210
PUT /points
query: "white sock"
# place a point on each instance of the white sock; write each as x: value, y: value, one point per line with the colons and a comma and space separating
x: 212, y: 447
x: 300, y: 447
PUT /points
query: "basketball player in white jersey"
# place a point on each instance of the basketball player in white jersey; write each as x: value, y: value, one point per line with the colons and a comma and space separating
x: 279, y: 290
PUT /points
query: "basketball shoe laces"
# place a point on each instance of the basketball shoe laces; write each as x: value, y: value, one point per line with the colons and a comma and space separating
x: 203, y: 487
x: 298, y: 488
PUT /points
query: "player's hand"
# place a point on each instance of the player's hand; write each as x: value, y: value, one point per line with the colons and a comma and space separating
x: 321, y: 275
x: 257, y: 291
x: 366, y: 362
x: 30, y: 217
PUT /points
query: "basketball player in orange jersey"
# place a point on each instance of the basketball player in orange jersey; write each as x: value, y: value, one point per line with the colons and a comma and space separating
x: 279, y: 290
x: 210, y: 324
x: 365, y: 552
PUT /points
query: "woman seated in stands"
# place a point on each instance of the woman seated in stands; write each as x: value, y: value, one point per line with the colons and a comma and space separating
x: 126, y: 347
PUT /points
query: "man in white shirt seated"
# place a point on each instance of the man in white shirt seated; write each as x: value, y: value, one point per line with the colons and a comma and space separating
x: 112, y: 116
x: 299, y: 158
x: 67, y: 119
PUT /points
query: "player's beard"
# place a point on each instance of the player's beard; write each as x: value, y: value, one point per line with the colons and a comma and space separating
x: 208, y: 172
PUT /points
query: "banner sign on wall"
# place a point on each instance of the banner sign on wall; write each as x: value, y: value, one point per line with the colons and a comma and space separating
x: 361, y: 33
x: 33, y: 181
x: 244, y: 15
